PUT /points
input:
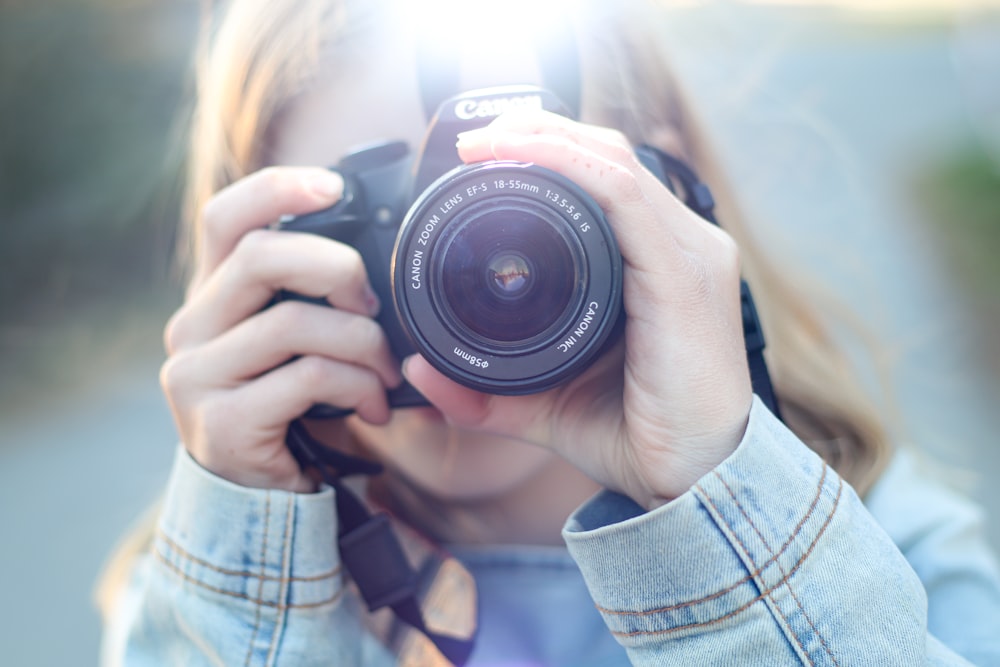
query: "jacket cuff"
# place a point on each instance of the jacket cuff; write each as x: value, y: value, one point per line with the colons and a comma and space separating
x: 268, y: 547
x: 703, y: 559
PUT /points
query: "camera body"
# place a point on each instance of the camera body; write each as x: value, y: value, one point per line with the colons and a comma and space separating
x: 506, y: 276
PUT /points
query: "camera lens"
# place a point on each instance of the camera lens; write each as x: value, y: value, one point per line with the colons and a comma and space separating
x: 507, y: 274
x: 506, y: 277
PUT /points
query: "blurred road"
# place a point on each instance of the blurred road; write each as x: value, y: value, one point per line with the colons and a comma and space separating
x: 75, y: 471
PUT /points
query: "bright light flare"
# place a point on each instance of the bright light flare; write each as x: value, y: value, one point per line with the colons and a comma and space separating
x: 486, y: 23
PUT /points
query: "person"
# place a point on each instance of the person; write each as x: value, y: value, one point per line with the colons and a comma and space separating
x: 650, y: 511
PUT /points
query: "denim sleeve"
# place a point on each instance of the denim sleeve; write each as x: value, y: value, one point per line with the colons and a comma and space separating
x: 239, y: 576
x: 943, y: 536
x: 770, y: 559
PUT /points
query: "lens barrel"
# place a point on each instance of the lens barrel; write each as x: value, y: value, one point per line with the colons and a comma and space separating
x: 507, y: 277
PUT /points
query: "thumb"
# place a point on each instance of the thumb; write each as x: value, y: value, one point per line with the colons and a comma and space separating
x: 459, y: 404
x: 514, y: 416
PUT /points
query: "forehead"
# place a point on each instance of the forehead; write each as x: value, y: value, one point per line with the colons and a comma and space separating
x: 368, y: 90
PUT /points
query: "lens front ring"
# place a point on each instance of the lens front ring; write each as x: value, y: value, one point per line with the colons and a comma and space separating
x: 552, y: 225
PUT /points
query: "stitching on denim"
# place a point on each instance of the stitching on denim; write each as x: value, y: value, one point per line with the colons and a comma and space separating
x: 791, y: 590
x: 260, y: 582
x: 243, y: 596
x: 770, y: 552
x: 187, y: 555
x: 749, y: 577
x: 812, y: 625
x: 777, y: 561
x: 283, y: 586
x: 805, y: 556
x: 781, y: 568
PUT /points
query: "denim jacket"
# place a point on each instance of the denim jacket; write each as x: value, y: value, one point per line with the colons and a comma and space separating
x: 770, y: 559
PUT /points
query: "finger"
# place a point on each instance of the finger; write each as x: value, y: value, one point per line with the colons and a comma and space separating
x: 264, y: 262
x: 602, y: 140
x: 255, y: 202
x: 590, y: 155
x: 287, y: 330
x: 661, y: 240
x: 287, y: 392
x: 480, y: 144
x: 532, y: 121
x: 639, y: 224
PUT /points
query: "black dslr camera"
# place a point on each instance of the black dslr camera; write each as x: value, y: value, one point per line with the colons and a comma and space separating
x: 505, y: 276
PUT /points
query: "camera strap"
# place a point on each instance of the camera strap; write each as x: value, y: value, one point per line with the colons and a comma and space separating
x: 374, y: 557
x: 697, y: 196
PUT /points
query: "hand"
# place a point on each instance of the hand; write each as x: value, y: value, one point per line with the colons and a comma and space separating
x: 237, y: 373
x: 655, y: 415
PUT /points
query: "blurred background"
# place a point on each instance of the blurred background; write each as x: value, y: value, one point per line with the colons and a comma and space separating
x: 864, y: 135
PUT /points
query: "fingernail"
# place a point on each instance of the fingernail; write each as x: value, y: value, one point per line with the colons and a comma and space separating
x: 327, y: 185
x: 405, y: 367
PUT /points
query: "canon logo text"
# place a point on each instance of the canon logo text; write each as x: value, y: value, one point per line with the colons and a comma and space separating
x: 469, y: 109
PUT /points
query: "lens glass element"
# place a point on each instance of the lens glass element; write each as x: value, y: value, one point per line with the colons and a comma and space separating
x: 508, y: 274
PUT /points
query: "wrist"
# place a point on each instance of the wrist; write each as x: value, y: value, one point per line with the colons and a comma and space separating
x: 299, y: 483
x: 697, y: 460
x: 292, y: 479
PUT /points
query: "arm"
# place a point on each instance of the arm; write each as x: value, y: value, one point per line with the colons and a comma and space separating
x: 943, y: 537
x: 239, y: 576
x: 243, y: 569
x: 771, y: 554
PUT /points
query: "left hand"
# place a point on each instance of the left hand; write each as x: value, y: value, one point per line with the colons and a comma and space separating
x: 655, y: 414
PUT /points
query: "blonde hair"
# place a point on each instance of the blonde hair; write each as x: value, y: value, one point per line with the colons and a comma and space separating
x: 257, y: 55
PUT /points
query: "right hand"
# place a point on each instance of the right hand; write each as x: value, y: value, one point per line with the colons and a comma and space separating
x: 236, y: 372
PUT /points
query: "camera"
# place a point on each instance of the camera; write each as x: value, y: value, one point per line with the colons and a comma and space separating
x: 505, y: 276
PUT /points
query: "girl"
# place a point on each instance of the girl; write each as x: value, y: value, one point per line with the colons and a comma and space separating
x: 652, y: 510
